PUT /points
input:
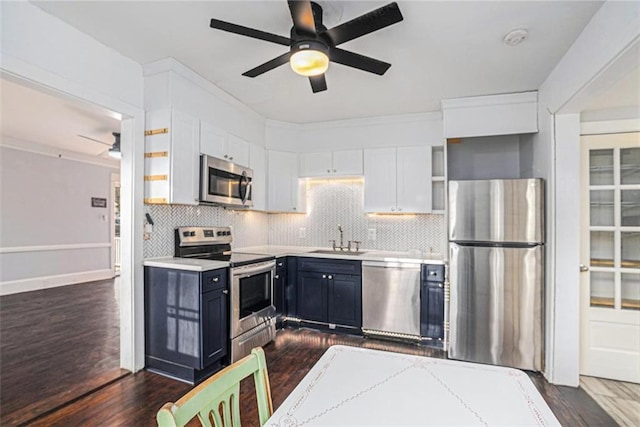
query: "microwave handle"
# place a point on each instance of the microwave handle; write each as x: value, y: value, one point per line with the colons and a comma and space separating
x: 244, y: 197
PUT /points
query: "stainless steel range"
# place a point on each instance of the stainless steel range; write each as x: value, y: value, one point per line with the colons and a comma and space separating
x: 252, y: 310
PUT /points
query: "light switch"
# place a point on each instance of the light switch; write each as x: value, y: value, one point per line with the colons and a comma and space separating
x: 372, y: 234
x: 302, y: 232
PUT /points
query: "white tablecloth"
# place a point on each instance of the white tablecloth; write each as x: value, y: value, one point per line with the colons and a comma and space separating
x: 355, y: 386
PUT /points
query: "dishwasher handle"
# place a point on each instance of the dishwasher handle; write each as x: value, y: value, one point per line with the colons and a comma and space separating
x: 392, y: 264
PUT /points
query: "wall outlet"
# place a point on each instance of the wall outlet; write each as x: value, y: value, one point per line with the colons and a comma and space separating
x: 302, y: 232
x: 372, y: 234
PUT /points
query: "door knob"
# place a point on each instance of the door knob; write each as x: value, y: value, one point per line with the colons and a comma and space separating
x: 583, y: 268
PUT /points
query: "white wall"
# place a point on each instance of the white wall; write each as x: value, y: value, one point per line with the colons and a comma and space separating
x: 41, y: 50
x: 609, y: 34
x: 387, y: 131
x: 169, y: 84
x: 48, y: 227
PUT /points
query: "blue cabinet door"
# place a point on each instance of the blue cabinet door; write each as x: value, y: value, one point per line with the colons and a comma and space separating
x: 345, y: 300
x: 312, y: 296
x: 214, y: 327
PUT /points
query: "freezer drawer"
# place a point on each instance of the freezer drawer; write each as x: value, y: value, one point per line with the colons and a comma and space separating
x: 497, y: 210
x: 496, y: 305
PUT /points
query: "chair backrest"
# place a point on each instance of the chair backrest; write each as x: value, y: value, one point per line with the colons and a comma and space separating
x: 216, y: 402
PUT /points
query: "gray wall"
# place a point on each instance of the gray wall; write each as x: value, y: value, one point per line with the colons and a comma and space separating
x: 491, y: 157
x: 46, y: 200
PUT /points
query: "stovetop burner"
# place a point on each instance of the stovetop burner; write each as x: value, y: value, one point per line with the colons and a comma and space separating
x: 212, y: 243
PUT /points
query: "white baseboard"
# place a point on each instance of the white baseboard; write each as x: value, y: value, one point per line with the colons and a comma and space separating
x: 45, y: 282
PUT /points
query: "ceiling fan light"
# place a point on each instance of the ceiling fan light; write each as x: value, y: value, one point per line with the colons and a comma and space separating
x: 309, y: 62
x: 115, y: 153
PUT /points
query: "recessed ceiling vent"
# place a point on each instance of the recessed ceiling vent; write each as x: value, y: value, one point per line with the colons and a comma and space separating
x: 515, y: 37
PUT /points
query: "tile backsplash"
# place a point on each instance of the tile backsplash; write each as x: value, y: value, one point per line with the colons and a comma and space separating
x: 329, y: 203
x: 333, y: 202
x: 249, y: 228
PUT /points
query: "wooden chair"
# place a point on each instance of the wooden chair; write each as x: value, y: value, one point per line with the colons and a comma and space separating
x: 216, y: 401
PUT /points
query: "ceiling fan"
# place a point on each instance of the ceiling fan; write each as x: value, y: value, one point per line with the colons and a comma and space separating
x: 114, y: 151
x: 312, y: 46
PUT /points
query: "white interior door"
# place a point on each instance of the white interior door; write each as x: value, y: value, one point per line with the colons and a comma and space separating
x: 610, y: 253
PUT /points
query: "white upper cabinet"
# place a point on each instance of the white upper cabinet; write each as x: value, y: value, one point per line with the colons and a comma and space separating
x: 332, y: 163
x: 397, y: 180
x: 414, y: 179
x: 506, y: 114
x: 218, y: 143
x: 258, y: 162
x: 171, y: 158
x: 238, y: 150
x: 285, y: 191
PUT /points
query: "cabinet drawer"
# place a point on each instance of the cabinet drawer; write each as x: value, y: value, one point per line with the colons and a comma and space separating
x: 336, y: 266
x: 213, y: 280
x: 433, y: 273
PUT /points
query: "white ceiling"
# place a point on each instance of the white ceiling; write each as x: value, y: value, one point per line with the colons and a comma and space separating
x: 441, y: 50
x: 33, y: 116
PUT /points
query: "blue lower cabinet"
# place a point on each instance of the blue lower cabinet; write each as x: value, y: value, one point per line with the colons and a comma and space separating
x: 329, y: 292
x: 432, y: 303
x: 186, y: 322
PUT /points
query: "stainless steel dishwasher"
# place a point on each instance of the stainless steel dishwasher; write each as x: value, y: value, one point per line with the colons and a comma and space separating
x: 391, y: 299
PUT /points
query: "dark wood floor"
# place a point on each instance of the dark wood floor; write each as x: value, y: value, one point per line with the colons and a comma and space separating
x: 55, y: 346
x: 135, y: 399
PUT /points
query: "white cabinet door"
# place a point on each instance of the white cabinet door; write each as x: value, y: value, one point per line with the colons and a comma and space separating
x: 316, y: 164
x: 213, y: 141
x: 347, y: 162
x: 380, y: 180
x: 185, y: 169
x: 171, y: 159
x: 414, y: 179
x: 258, y: 162
x: 285, y: 193
x: 237, y: 150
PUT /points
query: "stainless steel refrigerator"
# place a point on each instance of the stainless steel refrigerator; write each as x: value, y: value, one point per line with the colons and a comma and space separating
x: 496, y: 255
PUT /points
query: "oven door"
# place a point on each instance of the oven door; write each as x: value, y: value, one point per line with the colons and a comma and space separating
x: 251, y: 296
x: 225, y: 183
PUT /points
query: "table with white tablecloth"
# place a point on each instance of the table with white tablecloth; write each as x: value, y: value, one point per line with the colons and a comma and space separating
x: 356, y: 386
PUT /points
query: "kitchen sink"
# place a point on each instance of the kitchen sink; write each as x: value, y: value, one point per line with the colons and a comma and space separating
x: 332, y: 252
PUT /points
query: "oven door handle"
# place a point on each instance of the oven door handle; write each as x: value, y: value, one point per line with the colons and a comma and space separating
x: 251, y: 270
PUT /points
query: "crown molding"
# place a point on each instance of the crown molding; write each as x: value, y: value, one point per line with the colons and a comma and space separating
x: 48, y: 150
x: 491, y: 100
x: 359, y: 122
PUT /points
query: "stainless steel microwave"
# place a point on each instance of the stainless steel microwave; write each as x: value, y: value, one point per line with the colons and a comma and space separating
x: 225, y: 183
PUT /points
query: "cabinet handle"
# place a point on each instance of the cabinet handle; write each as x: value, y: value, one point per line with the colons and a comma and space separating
x: 334, y: 171
x: 230, y: 158
x: 294, y: 209
x: 399, y: 209
x: 215, y: 279
x: 226, y: 157
x: 324, y: 276
x: 277, y: 276
x: 393, y: 209
x: 328, y: 170
x: 225, y: 291
x: 330, y: 277
x: 280, y: 264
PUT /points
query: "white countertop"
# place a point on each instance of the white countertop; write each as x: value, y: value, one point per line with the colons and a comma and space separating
x: 281, y: 251
x: 185, y: 263
x: 368, y: 255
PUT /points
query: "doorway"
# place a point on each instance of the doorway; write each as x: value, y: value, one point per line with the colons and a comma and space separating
x: 610, y: 252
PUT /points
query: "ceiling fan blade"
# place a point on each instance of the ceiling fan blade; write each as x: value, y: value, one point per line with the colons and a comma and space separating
x: 249, y: 32
x: 268, y: 66
x: 360, y: 62
x: 318, y: 83
x: 365, y: 24
x: 302, y: 16
x: 96, y: 140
